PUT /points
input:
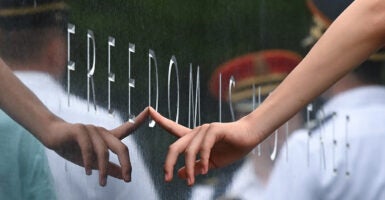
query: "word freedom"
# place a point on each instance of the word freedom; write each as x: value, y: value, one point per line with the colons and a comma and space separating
x: 194, y: 113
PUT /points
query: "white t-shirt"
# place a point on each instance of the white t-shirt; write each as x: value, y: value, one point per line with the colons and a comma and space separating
x: 348, y: 163
x: 71, y: 182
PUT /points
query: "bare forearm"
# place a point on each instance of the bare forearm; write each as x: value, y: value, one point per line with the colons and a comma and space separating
x: 85, y: 145
x: 357, y: 33
x: 22, y: 105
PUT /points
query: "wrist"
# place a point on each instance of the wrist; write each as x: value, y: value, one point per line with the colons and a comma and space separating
x: 253, y: 130
x: 46, y: 133
x: 262, y: 122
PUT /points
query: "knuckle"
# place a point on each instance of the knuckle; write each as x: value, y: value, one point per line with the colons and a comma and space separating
x: 173, y: 148
x: 215, y: 124
x: 80, y: 130
x: 80, y: 126
x: 204, y: 149
x: 106, y: 153
x: 129, y: 170
x: 165, y: 168
x: 123, y: 148
x: 190, y: 151
x: 168, y: 167
x: 101, y: 130
x: 206, y: 126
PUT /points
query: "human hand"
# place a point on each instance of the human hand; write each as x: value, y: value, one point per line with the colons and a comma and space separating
x: 88, y: 145
x: 218, y: 145
x: 127, y: 128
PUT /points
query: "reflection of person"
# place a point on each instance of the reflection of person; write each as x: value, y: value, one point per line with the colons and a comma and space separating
x: 36, y: 50
x: 264, y: 70
x: 24, y: 168
x: 351, y: 38
x: 76, y: 142
x: 345, y: 143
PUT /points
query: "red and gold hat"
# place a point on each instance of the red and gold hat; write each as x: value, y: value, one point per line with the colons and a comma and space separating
x: 324, y: 13
x: 264, y: 69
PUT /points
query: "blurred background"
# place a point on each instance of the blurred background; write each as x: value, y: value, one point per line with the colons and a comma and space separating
x: 203, y: 33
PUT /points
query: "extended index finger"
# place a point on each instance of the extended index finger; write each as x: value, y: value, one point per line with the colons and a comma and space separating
x: 167, y: 124
x: 127, y: 128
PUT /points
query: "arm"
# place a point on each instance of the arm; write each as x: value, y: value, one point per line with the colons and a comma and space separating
x: 23, y: 106
x: 85, y: 145
x: 358, y: 32
x: 354, y: 35
x: 227, y: 148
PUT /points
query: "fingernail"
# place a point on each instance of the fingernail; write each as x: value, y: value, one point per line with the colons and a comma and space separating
x: 167, y: 177
x: 127, y: 178
x: 88, y: 171
x: 103, y: 182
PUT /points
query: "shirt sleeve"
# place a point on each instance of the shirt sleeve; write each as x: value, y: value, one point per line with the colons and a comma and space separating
x: 37, y: 182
